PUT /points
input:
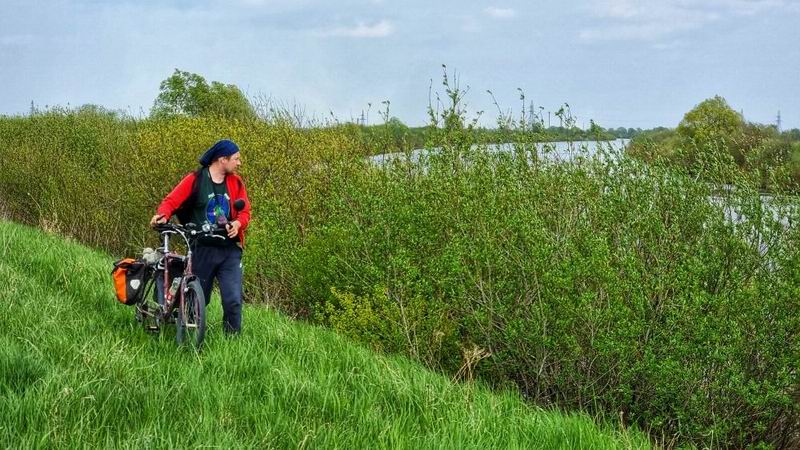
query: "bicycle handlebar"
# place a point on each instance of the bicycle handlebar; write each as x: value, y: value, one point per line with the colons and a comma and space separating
x: 191, y: 230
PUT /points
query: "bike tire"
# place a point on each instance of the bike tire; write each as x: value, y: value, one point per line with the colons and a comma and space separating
x: 191, y: 323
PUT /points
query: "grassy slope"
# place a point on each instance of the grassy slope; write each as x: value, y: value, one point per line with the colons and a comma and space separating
x: 76, y: 371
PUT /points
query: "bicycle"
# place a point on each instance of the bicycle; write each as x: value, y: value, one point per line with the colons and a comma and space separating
x: 177, y: 294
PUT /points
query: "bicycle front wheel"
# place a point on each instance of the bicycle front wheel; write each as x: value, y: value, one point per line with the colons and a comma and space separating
x: 191, y: 321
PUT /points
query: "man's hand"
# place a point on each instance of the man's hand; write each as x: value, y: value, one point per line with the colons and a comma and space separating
x: 233, y: 228
x: 158, y: 218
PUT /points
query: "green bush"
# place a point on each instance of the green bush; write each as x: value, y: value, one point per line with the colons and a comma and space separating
x: 603, y: 284
x: 713, y: 131
x: 98, y: 179
x: 609, y: 286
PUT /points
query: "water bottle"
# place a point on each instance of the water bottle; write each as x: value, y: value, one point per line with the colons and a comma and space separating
x: 176, y: 282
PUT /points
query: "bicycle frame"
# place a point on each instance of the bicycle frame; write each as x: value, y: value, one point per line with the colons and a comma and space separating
x: 170, y: 302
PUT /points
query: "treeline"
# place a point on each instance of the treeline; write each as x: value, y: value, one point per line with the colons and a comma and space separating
x: 402, y: 137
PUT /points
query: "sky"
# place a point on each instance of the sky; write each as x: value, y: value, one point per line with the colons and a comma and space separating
x: 628, y: 63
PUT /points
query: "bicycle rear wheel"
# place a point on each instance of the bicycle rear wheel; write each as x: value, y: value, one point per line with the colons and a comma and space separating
x: 191, y: 323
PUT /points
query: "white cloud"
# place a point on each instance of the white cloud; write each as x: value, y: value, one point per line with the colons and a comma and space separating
x: 379, y: 29
x: 500, y: 13
x: 654, y: 19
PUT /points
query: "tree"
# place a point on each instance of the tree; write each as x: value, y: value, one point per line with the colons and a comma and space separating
x: 712, y: 129
x: 711, y: 121
x: 189, y: 94
x: 97, y: 110
x: 792, y: 135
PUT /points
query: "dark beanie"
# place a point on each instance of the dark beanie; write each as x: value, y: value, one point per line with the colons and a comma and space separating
x: 218, y: 150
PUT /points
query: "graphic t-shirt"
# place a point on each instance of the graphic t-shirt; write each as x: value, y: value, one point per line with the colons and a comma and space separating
x: 213, y: 206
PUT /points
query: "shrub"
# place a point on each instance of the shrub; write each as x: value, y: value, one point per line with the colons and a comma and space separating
x: 604, y: 283
x: 614, y: 287
x: 98, y: 179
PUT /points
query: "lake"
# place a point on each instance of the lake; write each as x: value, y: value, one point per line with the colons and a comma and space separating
x: 555, y: 151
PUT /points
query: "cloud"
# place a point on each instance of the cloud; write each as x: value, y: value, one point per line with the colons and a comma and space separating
x: 378, y: 29
x: 654, y: 19
x: 500, y: 13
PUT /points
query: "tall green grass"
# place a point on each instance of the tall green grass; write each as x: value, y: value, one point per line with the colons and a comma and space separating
x: 76, y: 371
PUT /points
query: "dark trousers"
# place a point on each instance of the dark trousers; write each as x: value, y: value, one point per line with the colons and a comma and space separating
x: 224, y: 264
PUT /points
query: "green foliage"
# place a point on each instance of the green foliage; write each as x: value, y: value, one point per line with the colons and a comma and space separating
x: 602, y: 284
x: 710, y: 121
x: 76, y: 371
x: 602, y: 287
x: 792, y: 135
x: 394, y: 136
x: 656, y: 145
x: 189, y: 94
x: 99, y: 179
x: 714, y: 141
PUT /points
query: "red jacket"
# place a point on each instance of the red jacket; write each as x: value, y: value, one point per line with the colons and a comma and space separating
x: 183, y: 191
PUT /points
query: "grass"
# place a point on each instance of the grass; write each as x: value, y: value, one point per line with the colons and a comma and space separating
x: 76, y: 371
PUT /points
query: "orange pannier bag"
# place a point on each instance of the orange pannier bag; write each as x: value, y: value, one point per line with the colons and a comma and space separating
x: 129, y: 276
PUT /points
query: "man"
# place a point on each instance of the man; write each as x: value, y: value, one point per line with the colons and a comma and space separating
x: 207, y: 196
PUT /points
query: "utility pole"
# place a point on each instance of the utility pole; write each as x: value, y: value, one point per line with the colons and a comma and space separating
x: 530, y: 113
